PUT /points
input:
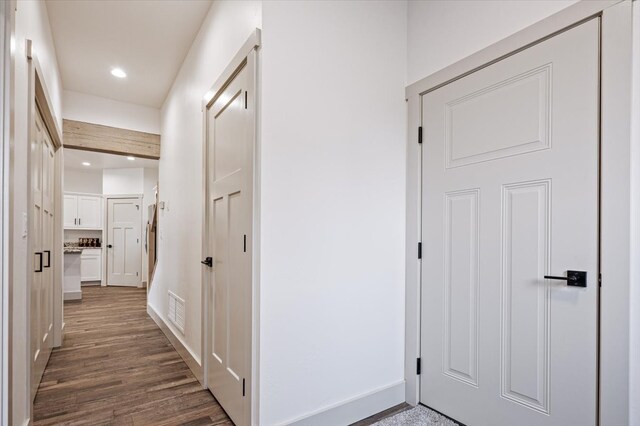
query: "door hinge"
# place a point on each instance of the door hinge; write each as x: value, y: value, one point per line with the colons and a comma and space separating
x: 420, y: 250
x: 600, y: 280
x: 243, y: 387
x: 420, y: 134
x: 245, y: 99
x: 136, y: 274
x: 418, y: 367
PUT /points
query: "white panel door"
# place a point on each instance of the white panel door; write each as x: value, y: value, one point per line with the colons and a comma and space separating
x: 48, y: 225
x: 230, y: 213
x: 124, y: 256
x: 41, y: 240
x: 89, y: 212
x: 510, y: 195
x: 70, y: 215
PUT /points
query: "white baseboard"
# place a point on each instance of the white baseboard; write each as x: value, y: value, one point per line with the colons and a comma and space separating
x: 355, y: 409
x: 73, y: 295
x: 187, y: 356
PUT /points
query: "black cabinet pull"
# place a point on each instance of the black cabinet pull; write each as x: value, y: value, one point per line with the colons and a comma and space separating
x: 39, y: 254
x: 48, y: 265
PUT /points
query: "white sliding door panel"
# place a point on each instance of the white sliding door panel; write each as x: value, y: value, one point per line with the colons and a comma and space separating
x: 41, y: 240
x: 510, y: 195
x: 124, y: 261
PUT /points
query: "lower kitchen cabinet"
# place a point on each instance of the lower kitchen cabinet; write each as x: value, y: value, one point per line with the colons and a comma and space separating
x: 91, y: 265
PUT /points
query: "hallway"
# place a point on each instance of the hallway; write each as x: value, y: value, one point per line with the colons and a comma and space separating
x: 117, y: 367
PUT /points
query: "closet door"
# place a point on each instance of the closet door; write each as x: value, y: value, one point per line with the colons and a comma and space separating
x: 37, y: 245
x: 41, y: 239
x: 46, y: 294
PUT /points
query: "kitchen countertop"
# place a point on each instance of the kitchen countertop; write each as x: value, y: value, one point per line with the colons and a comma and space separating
x: 71, y: 248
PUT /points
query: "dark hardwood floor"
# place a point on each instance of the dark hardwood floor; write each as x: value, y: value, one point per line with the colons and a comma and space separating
x: 116, y: 367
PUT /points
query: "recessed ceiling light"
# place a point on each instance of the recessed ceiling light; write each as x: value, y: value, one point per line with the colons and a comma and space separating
x: 118, y: 72
x: 86, y: 163
x: 131, y: 158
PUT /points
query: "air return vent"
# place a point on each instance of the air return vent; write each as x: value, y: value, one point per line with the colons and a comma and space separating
x: 176, y: 311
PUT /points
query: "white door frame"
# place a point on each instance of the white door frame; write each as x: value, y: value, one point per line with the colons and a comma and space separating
x: 248, y: 54
x: 7, y: 10
x: 620, y: 195
x: 19, y: 184
x: 105, y: 227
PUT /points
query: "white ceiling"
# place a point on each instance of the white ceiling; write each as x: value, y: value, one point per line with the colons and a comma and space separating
x: 74, y: 158
x: 148, y: 39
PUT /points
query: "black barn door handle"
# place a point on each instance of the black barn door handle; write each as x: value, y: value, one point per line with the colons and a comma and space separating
x: 39, y: 254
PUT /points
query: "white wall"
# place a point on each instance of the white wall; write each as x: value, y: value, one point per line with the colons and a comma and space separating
x: 224, y: 30
x: 32, y: 22
x: 97, y: 110
x: 442, y: 32
x: 333, y: 207
x: 81, y: 181
x: 123, y: 181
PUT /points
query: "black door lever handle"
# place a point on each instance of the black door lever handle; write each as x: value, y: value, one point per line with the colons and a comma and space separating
x: 551, y: 277
x: 208, y: 261
x: 573, y: 278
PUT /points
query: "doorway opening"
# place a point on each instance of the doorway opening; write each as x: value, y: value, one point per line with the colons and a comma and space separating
x: 108, y: 202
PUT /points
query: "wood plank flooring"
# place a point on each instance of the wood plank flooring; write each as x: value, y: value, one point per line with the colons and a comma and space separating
x: 116, y: 367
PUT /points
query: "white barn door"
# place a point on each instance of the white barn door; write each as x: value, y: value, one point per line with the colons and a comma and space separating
x: 510, y: 195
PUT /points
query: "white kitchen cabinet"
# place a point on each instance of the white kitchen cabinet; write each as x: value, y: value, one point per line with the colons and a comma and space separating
x: 70, y: 211
x: 82, y: 211
x: 91, y: 265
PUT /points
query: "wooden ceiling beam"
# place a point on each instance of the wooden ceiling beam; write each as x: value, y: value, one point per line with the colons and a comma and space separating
x: 110, y: 140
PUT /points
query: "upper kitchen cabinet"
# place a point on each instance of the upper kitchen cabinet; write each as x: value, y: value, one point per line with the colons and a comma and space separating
x: 82, y: 211
x: 70, y: 211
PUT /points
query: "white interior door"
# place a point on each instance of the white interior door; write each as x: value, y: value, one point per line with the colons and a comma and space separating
x: 41, y: 240
x: 230, y: 183
x: 510, y: 195
x: 124, y: 256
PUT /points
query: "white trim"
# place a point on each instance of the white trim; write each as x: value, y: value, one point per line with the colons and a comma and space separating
x: 617, y: 192
x: 6, y: 84
x: 192, y: 360
x: 634, y: 353
x: 615, y: 209
x: 354, y: 409
x: 248, y: 53
x: 73, y: 295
